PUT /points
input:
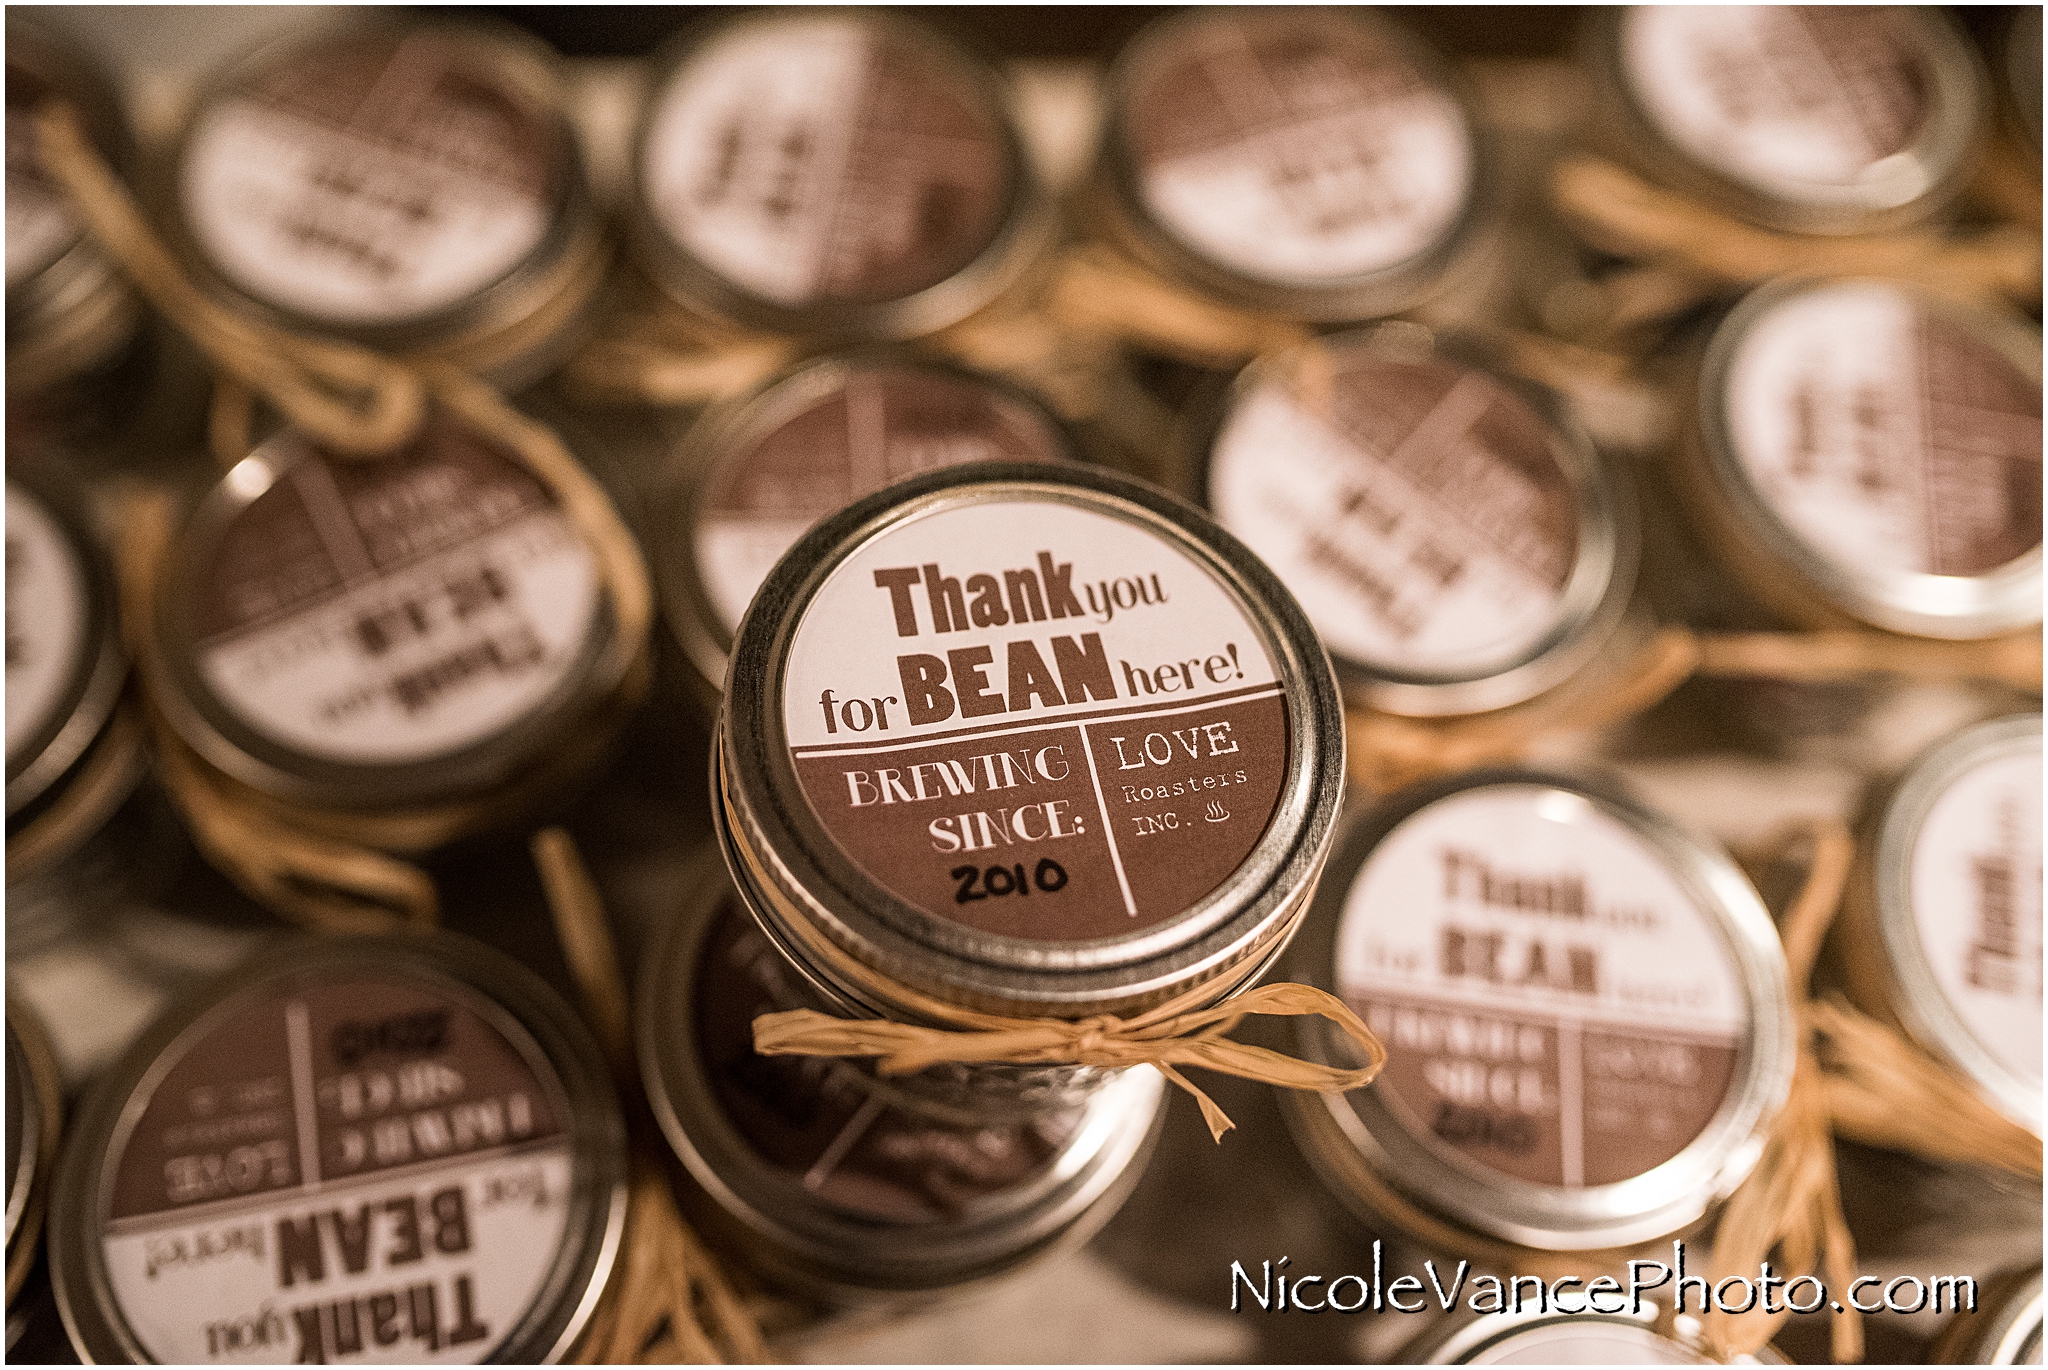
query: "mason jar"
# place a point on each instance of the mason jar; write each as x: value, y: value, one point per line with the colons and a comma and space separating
x: 423, y: 629
x: 1035, y: 740
x: 1860, y: 453
x: 405, y: 1149
x: 2004, y: 1329
x: 414, y: 188
x: 1811, y: 119
x: 841, y: 174
x: 1313, y: 164
x: 70, y: 313
x: 1585, y: 1008
x: 753, y: 473
x: 1455, y: 538
x: 1941, y: 924
x: 834, y: 1182
x: 35, y: 1123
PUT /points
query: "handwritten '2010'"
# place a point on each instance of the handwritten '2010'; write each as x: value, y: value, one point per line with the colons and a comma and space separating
x: 1049, y: 876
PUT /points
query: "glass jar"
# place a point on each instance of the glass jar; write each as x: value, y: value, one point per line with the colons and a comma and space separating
x: 844, y: 174
x: 1812, y: 119
x: 35, y: 1122
x: 422, y: 629
x: 837, y: 1183
x: 416, y: 189
x: 70, y: 313
x: 1585, y: 1010
x: 1456, y: 540
x: 752, y: 474
x: 929, y: 799
x: 1576, y: 1338
x: 1861, y: 453
x: 1941, y: 924
x: 1316, y: 164
x: 409, y: 1149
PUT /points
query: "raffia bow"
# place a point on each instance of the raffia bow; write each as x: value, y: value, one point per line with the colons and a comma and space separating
x: 1164, y: 1039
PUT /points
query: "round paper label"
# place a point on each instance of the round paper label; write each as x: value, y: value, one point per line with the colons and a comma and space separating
x: 818, y: 158
x: 1416, y: 509
x: 1556, y: 1008
x: 1303, y: 149
x: 1799, y: 102
x: 1035, y: 719
x: 363, y: 1169
x: 395, y: 611
x: 880, y: 426
x: 825, y: 1124
x: 1885, y: 437
x: 368, y: 184
x: 1976, y: 890
x: 47, y: 611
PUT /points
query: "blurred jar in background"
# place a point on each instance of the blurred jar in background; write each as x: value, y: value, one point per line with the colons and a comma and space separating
x: 1585, y: 1008
x: 1812, y: 119
x: 2004, y: 1329
x: 1941, y: 925
x: 415, y: 189
x: 1312, y: 164
x: 837, y: 1183
x: 753, y: 474
x: 1454, y: 537
x: 841, y: 175
x: 71, y: 317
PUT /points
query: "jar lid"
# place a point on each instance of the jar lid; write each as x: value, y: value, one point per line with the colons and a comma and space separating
x: 64, y: 661
x: 1584, y: 1006
x: 1958, y: 869
x: 1885, y: 447
x: 2004, y: 1328
x: 1811, y: 118
x: 42, y: 65
x: 1037, y: 739
x: 1312, y: 162
x: 753, y: 474
x: 35, y: 1118
x: 837, y: 172
x: 409, y: 1148
x: 356, y: 634
x: 824, y: 1175
x: 1453, y: 535
x: 398, y: 184
x: 1557, y: 1338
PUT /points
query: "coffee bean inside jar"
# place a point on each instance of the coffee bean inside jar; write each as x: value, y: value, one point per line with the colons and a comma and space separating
x: 1585, y: 1011
x: 838, y: 173
x: 418, y: 190
x: 1455, y: 539
x: 753, y: 475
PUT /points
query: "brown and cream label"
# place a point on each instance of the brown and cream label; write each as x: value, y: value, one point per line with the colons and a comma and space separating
x: 883, y: 424
x: 1885, y: 437
x: 817, y: 158
x: 1556, y: 1008
x: 369, y: 183
x: 47, y: 615
x: 830, y: 1124
x: 1302, y: 148
x: 1416, y: 509
x: 335, y: 1170
x: 1976, y: 892
x: 394, y: 611
x: 1800, y: 102
x: 1035, y: 719
x: 39, y: 223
